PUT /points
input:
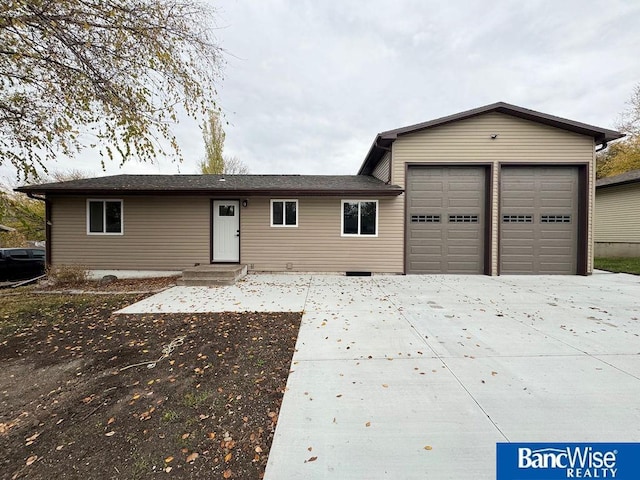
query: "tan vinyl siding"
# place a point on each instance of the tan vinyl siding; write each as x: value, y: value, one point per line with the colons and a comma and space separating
x: 518, y: 141
x: 617, y: 216
x: 316, y: 244
x: 383, y: 168
x: 160, y: 233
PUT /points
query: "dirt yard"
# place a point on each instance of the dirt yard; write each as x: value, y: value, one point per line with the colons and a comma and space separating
x: 77, y: 402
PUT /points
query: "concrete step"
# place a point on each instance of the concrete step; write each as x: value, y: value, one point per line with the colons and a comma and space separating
x: 212, y: 275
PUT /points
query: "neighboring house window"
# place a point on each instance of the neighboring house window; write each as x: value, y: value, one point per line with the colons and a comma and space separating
x: 284, y: 213
x: 104, y: 217
x: 359, y: 217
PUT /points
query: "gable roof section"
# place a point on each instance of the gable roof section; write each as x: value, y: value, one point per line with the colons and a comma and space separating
x: 224, y: 185
x: 384, y: 140
x: 632, y: 176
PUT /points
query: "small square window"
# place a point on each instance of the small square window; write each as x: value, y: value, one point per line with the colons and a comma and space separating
x: 226, y: 210
x: 425, y: 218
x: 104, y: 217
x: 284, y: 213
x: 555, y: 218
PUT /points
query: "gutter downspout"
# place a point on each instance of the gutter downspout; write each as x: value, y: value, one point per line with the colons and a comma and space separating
x: 602, y: 147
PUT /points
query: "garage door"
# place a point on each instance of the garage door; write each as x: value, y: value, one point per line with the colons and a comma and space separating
x: 539, y: 220
x: 445, y: 219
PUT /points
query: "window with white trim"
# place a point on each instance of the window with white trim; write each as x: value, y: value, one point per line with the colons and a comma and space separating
x: 284, y: 213
x: 104, y: 217
x: 359, y: 218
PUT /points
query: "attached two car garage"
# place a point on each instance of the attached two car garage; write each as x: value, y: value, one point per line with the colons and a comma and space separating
x: 534, y: 217
x: 498, y: 189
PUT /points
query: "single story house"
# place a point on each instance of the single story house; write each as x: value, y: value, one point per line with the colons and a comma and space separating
x: 499, y: 189
x: 617, y: 216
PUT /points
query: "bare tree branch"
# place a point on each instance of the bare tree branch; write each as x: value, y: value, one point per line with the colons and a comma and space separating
x: 119, y: 71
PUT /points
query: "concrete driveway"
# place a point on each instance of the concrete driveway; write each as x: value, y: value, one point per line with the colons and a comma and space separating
x: 418, y: 377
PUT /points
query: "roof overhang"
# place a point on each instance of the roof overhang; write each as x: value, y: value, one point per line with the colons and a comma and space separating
x: 386, y: 192
x: 626, y: 178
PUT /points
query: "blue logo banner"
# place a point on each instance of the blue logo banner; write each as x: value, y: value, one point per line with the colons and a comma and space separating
x: 555, y: 461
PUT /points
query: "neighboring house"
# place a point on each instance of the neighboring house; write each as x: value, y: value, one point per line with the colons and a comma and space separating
x: 496, y: 190
x: 617, y: 216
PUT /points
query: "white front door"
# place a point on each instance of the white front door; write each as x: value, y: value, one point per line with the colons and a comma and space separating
x: 226, y: 231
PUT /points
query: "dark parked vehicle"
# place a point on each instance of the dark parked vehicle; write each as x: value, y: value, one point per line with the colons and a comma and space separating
x: 21, y: 263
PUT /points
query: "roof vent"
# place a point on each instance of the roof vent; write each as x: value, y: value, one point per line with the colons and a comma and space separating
x: 222, y: 179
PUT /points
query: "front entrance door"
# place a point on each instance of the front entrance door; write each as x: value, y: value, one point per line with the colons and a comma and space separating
x: 226, y: 231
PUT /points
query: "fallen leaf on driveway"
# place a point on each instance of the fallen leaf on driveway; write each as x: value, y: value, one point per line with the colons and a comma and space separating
x: 368, y: 424
x: 312, y: 459
x: 428, y: 447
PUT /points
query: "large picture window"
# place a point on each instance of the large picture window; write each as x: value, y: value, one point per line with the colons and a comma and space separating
x: 284, y: 213
x: 359, y: 218
x: 104, y: 217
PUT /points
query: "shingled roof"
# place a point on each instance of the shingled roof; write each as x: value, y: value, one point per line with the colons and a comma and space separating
x: 225, y: 185
x: 632, y: 176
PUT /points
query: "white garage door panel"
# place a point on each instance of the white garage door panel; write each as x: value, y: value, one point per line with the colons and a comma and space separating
x: 539, y: 217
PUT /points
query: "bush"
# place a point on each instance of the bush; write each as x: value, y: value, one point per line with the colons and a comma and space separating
x: 68, y: 274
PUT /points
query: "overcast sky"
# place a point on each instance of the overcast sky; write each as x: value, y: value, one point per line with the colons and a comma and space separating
x: 309, y: 84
